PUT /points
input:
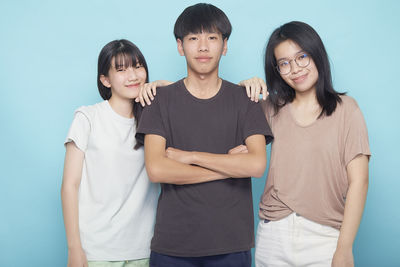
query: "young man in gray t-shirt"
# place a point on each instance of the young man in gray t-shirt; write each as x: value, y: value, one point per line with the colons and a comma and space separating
x: 205, y: 210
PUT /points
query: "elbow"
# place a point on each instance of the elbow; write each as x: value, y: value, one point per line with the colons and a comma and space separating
x: 154, y: 174
x: 258, y: 168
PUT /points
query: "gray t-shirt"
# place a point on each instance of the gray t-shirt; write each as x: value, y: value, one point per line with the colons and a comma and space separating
x: 208, y: 218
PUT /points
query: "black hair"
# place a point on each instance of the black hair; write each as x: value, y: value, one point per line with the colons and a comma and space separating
x: 124, y: 54
x: 280, y: 93
x: 202, y: 17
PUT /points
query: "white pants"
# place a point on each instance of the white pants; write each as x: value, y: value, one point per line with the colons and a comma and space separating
x: 295, y: 241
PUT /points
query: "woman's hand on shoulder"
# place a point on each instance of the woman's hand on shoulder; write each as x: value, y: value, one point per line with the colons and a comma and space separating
x: 254, y: 87
x: 77, y: 258
x: 148, y: 91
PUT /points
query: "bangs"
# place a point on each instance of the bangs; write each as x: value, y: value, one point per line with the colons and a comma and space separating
x: 125, y: 60
x: 128, y: 56
x: 202, y: 18
x: 206, y: 26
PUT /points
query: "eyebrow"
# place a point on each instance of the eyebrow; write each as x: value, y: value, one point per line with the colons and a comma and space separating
x: 283, y: 58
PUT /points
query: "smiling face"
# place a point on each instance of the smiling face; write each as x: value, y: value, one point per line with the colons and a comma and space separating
x: 124, y: 81
x: 301, y: 79
x: 202, y: 51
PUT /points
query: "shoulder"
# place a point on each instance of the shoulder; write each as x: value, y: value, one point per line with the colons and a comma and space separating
x: 236, y: 92
x: 235, y: 89
x: 233, y: 85
x: 166, y: 90
x: 348, y: 101
x: 348, y: 105
x: 92, y: 111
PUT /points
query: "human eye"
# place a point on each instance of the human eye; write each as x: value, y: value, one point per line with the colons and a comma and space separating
x: 120, y: 69
x: 213, y: 37
x: 139, y: 65
x: 302, y: 56
x: 283, y: 63
x: 192, y: 38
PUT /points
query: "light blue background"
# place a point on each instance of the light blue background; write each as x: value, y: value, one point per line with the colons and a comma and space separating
x: 48, y: 54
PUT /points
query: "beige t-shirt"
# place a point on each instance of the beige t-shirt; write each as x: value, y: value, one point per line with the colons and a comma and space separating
x: 307, y: 172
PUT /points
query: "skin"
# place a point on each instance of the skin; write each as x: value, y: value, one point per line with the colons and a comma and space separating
x: 202, y: 52
x: 305, y: 109
x: 125, y: 84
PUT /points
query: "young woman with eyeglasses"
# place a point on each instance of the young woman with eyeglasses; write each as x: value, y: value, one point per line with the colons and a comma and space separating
x: 317, y: 182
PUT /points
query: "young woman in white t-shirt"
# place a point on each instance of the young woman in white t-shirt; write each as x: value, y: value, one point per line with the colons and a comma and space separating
x: 108, y: 201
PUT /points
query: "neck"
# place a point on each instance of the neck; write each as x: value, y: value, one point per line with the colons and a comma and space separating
x: 307, y: 98
x: 123, y: 107
x: 203, y: 85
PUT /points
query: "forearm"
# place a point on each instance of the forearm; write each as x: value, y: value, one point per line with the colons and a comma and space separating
x: 355, y: 202
x: 165, y: 170
x: 236, y: 165
x: 69, y: 197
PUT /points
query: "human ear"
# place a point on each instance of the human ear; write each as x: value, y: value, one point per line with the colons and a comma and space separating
x: 179, y: 43
x: 105, y: 81
x: 225, y: 47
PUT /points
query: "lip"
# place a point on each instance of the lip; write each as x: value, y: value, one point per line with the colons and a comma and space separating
x: 300, y: 78
x: 203, y: 59
x: 133, y: 85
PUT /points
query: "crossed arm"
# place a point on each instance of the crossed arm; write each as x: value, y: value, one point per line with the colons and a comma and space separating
x: 176, y: 166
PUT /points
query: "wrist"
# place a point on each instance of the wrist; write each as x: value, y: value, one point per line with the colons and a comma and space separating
x: 75, y: 247
x: 344, y: 246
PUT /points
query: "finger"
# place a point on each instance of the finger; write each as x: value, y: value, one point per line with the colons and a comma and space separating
x: 257, y: 92
x: 146, y: 98
x: 242, y: 148
x: 253, y: 92
x: 264, y: 88
x: 154, y: 89
x: 149, y: 91
x: 237, y: 149
x: 141, y: 100
x: 264, y: 91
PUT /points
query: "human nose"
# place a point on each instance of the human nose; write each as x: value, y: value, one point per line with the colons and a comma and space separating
x: 294, y: 67
x: 203, y: 44
x: 132, y: 74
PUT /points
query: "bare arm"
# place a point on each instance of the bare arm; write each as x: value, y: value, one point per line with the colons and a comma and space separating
x: 69, y: 196
x: 162, y: 169
x: 235, y: 165
x: 357, y: 172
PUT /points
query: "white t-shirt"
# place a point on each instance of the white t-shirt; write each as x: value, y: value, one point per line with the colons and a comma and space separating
x: 117, y: 202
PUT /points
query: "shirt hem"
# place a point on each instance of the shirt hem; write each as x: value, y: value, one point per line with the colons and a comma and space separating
x: 203, y: 253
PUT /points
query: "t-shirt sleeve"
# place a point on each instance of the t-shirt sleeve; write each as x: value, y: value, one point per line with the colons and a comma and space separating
x: 356, y: 140
x: 79, y: 131
x: 151, y: 121
x: 256, y: 123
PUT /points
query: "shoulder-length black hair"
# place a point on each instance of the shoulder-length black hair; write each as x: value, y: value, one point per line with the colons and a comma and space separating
x: 124, y: 54
x: 280, y: 93
x: 202, y: 17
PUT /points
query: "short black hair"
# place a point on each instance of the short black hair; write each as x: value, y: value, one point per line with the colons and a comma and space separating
x: 280, y: 93
x: 202, y: 17
x: 124, y: 54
